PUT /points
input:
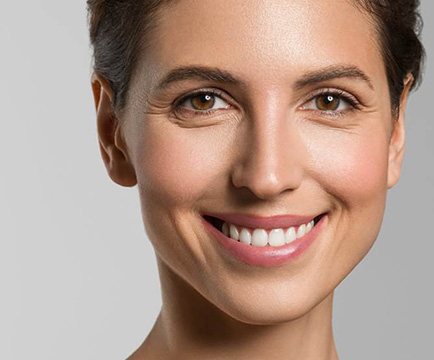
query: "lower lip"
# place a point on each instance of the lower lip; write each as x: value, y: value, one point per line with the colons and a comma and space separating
x: 266, y: 256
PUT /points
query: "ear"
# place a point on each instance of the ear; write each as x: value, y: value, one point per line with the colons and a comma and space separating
x: 397, y: 138
x: 111, y: 143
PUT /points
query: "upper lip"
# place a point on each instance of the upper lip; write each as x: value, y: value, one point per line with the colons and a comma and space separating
x: 263, y: 222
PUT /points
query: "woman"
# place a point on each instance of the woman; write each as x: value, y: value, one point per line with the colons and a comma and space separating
x: 263, y: 137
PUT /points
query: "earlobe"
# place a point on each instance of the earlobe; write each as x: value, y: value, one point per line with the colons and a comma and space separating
x: 397, y: 138
x: 111, y: 142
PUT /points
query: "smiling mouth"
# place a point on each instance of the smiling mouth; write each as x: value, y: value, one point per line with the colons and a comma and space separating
x: 260, y: 236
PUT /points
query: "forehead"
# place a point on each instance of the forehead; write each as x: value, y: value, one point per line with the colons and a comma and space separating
x: 265, y: 39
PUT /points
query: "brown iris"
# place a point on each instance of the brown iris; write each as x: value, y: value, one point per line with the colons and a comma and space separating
x: 327, y: 102
x: 203, y: 101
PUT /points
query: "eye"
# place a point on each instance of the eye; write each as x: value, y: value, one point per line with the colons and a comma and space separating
x: 328, y: 102
x: 331, y: 102
x: 202, y: 102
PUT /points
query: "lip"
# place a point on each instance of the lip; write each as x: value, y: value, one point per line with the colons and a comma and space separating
x: 267, y: 256
x: 262, y: 222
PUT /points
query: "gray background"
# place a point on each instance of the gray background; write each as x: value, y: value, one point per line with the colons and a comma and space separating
x: 78, y: 277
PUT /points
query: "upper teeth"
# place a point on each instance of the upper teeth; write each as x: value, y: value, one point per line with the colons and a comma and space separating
x: 260, y: 237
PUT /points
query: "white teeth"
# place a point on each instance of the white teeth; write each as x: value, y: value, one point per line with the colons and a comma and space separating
x: 309, y: 226
x: 225, y: 229
x: 245, y: 237
x: 290, y: 235
x: 276, y: 237
x: 233, y: 231
x: 259, y: 237
x: 301, y: 231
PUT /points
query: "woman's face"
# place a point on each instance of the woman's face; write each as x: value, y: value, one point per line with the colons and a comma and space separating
x: 303, y: 127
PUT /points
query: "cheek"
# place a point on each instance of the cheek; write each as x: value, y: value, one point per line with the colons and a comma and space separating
x: 351, y: 166
x: 178, y: 165
x: 352, y: 169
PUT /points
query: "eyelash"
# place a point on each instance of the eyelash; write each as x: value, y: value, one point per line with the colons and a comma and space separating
x: 342, y: 95
x: 214, y: 92
x: 351, y: 100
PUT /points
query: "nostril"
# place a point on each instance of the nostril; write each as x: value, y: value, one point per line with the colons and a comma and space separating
x: 217, y: 223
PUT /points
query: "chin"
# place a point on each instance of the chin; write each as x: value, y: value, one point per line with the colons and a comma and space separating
x: 270, y: 308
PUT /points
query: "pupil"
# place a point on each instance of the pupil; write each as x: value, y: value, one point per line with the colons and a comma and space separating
x: 203, y: 101
x: 328, y: 102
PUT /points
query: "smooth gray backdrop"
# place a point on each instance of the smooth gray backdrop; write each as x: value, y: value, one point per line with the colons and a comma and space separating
x: 78, y: 277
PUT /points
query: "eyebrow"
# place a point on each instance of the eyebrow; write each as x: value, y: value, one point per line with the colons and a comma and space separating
x: 184, y: 73
x: 333, y: 72
x: 199, y: 73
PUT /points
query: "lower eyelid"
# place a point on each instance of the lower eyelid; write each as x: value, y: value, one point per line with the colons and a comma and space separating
x: 184, y: 112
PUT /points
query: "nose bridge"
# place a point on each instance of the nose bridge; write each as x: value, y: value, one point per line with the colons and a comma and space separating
x: 272, y: 158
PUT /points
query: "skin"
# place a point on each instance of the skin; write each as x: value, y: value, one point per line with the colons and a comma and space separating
x: 266, y: 149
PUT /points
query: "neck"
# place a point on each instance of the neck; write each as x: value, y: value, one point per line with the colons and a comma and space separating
x: 189, y: 326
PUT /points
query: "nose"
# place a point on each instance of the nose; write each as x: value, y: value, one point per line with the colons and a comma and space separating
x: 272, y: 155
